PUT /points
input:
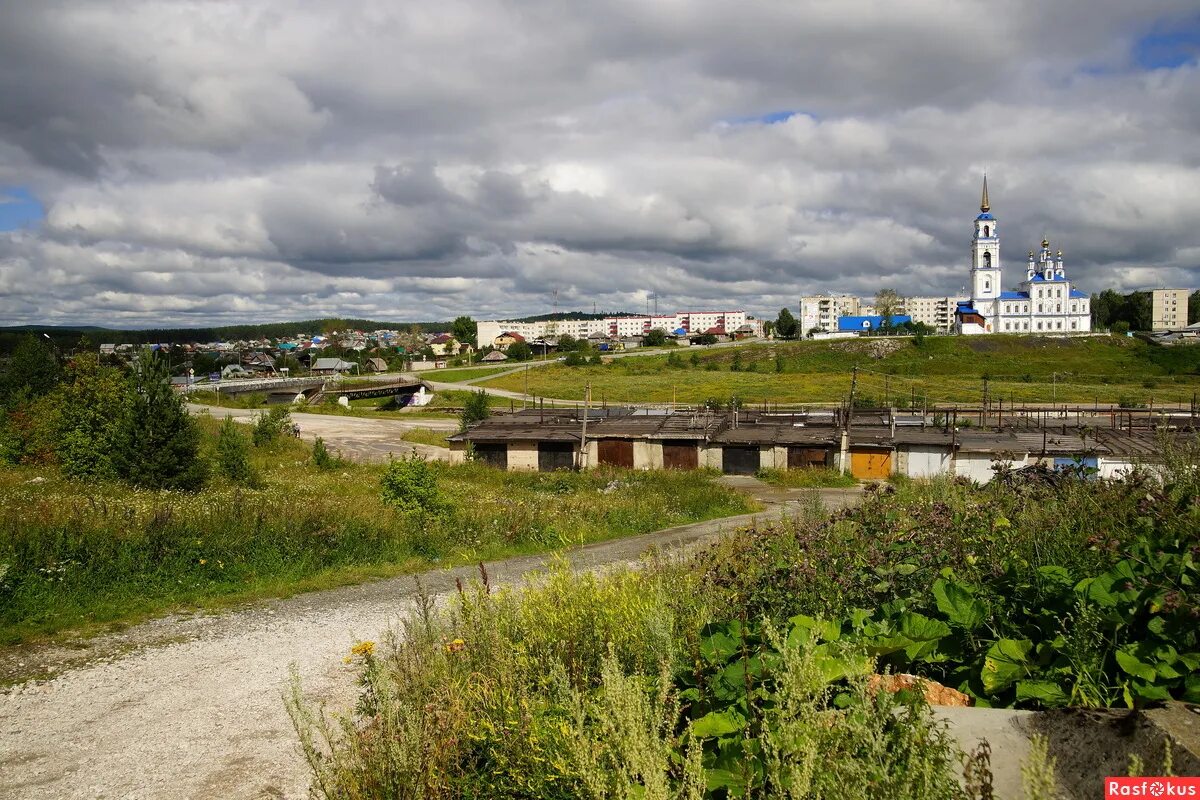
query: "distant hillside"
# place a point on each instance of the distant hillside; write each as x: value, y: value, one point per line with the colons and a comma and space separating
x: 68, y: 336
x: 561, y: 315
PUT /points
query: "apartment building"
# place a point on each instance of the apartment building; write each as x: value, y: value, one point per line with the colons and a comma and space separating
x: 822, y: 311
x: 725, y: 323
x: 1169, y: 309
x: 936, y: 312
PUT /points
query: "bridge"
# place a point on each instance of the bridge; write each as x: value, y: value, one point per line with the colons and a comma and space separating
x: 391, y: 389
x: 298, y: 385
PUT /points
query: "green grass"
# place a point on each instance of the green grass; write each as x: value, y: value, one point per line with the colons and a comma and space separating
x: 457, y: 375
x: 941, y: 370
x: 422, y: 436
x: 815, y: 478
x: 76, y: 555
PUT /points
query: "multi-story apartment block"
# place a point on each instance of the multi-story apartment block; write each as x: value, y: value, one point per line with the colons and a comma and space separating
x: 936, y: 312
x: 690, y: 322
x: 821, y: 311
x: 1169, y: 309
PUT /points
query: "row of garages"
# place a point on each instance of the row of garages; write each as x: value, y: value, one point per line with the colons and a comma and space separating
x: 868, y: 452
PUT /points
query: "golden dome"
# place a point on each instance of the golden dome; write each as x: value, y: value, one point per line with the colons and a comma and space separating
x: 1045, y: 242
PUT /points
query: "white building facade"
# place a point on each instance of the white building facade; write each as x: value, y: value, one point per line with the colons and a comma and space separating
x: 690, y: 322
x: 1045, y: 302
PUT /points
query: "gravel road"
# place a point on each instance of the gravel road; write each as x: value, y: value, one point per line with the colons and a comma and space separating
x: 357, y: 438
x: 189, y: 706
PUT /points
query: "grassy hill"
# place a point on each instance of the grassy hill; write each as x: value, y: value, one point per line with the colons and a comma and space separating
x: 937, y: 370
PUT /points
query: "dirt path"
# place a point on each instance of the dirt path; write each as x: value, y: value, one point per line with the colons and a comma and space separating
x: 190, y: 706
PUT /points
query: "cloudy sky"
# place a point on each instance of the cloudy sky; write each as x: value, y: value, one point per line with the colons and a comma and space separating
x: 194, y: 163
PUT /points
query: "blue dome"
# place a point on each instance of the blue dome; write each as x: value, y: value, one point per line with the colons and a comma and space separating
x: 985, y: 215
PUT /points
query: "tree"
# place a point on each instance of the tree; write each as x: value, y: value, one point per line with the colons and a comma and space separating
x: 159, y: 445
x: 269, y: 426
x: 476, y: 409
x: 464, y: 330
x: 92, y: 404
x: 656, y: 337
x: 887, y: 305
x: 233, y: 454
x: 567, y: 343
x: 32, y: 372
x: 519, y: 351
x: 706, y: 339
x: 786, y: 325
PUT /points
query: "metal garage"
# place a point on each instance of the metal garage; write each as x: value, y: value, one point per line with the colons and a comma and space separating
x: 739, y: 459
x: 680, y: 454
x: 807, y: 457
x: 555, y: 455
x: 494, y: 454
x: 615, y: 452
x: 870, y: 463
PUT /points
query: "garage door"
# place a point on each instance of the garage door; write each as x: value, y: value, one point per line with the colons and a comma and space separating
x: 805, y: 457
x: 616, y: 452
x: 681, y: 455
x: 869, y: 464
x: 494, y: 455
x: 555, y: 455
x: 737, y: 460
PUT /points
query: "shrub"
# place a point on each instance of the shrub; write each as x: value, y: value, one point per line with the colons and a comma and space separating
x: 476, y: 409
x: 269, y: 426
x: 410, y: 485
x: 322, y: 458
x: 233, y: 454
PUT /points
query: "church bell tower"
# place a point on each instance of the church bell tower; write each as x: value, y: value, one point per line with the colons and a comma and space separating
x: 985, y: 258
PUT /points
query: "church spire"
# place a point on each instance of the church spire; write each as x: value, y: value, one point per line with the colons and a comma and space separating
x: 983, y: 203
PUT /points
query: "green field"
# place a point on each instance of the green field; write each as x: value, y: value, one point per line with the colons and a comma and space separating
x: 898, y: 370
x: 83, y: 555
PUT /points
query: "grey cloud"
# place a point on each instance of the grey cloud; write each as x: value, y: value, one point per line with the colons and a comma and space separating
x: 204, y: 162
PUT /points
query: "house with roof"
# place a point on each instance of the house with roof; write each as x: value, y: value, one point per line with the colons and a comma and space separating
x: 331, y: 366
x: 508, y: 338
x: 375, y: 364
x: 494, y: 357
x: 1045, y: 302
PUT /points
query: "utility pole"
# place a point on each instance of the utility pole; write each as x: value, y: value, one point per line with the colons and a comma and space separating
x: 845, y: 444
x: 526, y: 397
x: 587, y: 404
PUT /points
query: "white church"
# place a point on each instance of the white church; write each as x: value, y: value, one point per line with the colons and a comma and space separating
x: 1043, y: 303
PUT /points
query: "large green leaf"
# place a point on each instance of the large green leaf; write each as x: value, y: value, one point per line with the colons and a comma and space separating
x: 1006, y: 662
x: 1135, y: 666
x: 1048, y: 693
x: 959, y: 606
x: 921, y: 628
x: 718, y: 647
x: 717, y: 723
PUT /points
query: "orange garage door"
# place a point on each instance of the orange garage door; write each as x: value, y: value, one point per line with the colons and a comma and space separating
x: 868, y: 464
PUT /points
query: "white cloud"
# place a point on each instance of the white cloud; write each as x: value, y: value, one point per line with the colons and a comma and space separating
x: 224, y: 161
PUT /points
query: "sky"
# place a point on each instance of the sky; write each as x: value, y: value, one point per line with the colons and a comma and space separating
x: 203, y: 163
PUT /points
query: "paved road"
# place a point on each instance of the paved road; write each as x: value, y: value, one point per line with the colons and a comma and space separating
x: 357, y: 438
x: 190, y: 706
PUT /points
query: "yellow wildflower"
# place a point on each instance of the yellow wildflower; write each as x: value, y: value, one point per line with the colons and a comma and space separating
x: 363, y: 649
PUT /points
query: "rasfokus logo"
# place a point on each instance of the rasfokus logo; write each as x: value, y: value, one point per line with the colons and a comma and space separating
x: 1151, y: 787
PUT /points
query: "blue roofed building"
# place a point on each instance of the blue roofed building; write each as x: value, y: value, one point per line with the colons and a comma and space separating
x: 869, y: 322
x: 1044, y: 303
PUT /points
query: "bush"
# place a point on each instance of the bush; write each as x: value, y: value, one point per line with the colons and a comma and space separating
x: 410, y: 485
x: 476, y: 409
x: 269, y: 426
x: 322, y: 458
x: 233, y: 454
